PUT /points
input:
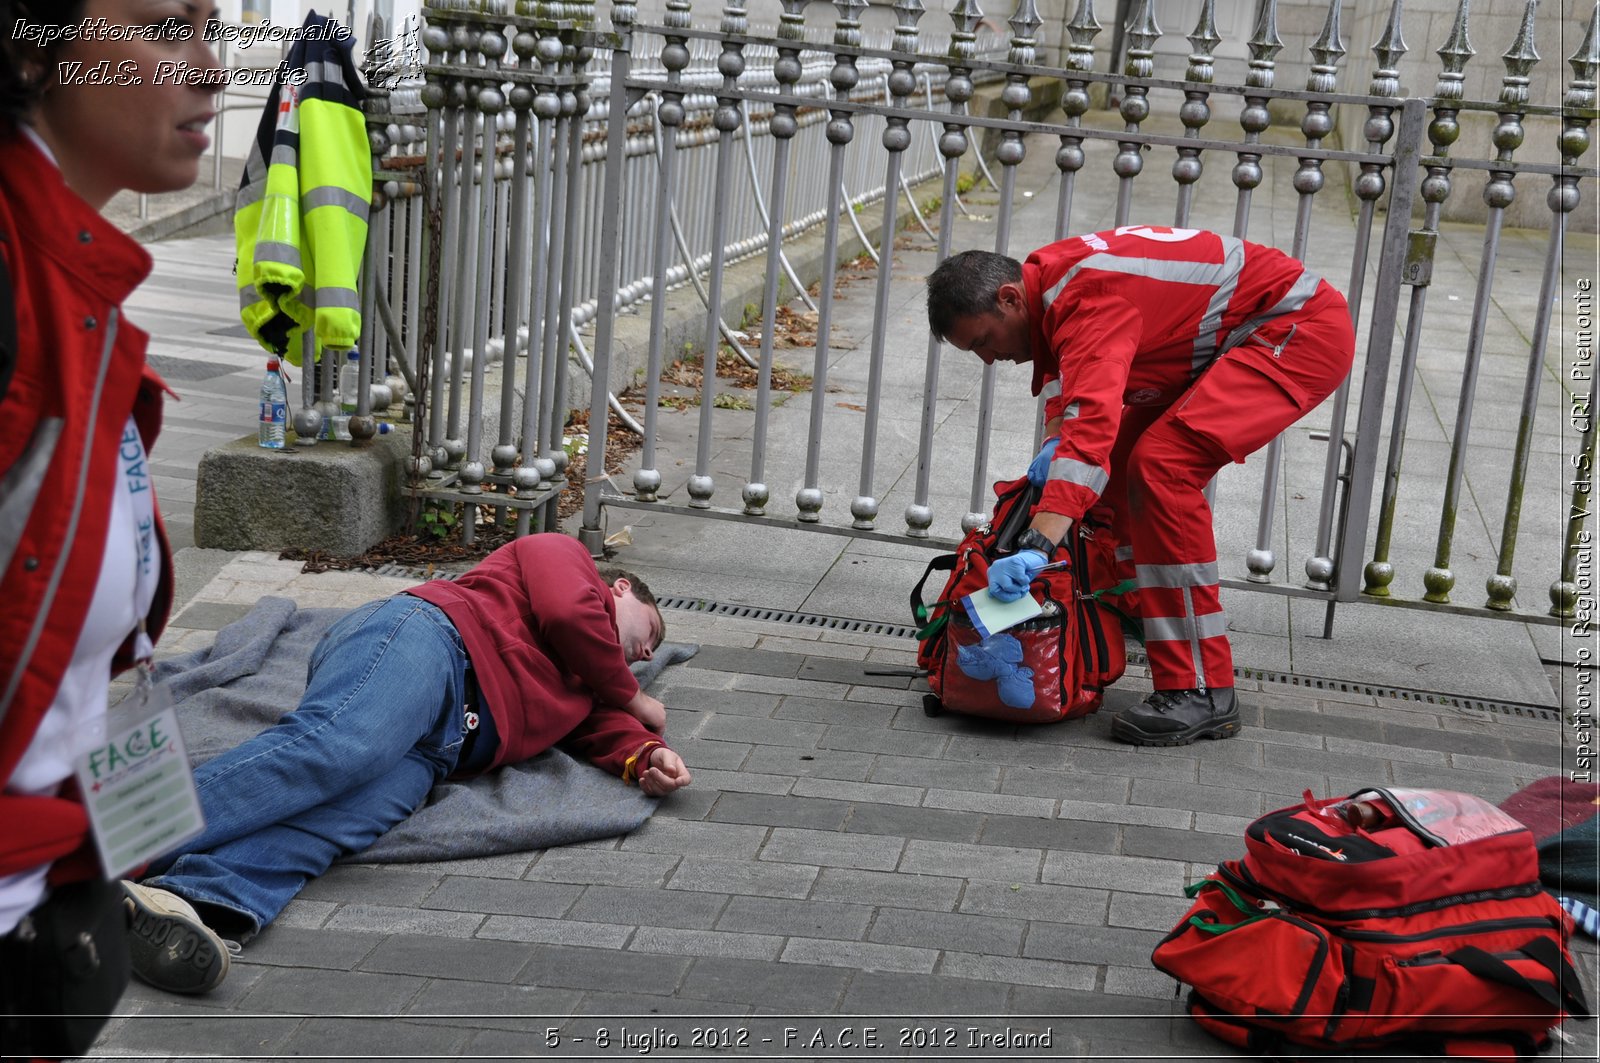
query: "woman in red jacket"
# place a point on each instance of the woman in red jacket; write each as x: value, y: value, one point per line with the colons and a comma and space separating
x: 84, y: 567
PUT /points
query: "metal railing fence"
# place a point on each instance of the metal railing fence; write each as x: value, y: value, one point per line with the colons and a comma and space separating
x: 595, y: 207
x: 529, y: 275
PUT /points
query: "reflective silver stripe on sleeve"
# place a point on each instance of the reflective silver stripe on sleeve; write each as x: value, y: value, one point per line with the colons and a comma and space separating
x: 253, y: 192
x: 1073, y: 471
x: 325, y: 71
x: 248, y: 296
x: 1298, y: 295
x: 1205, y: 341
x: 1184, y: 628
x: 285, y: 155
x: 1070, y: 413
x: 1051, y: 389
x: 275, y: 251
x: 337, y: 299
x: 1200, y: 575
x: 333, y: 196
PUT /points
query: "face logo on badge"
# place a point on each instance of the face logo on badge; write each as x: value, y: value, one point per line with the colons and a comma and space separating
x: 1144, y: 396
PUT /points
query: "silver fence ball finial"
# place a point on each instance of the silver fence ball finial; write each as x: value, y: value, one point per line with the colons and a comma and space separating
x: 808, y: 500
x: 755, y: 498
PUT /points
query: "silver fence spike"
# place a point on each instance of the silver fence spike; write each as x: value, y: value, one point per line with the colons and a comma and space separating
x: 965, y: 16
x: 1143, y: 32
x: 1520, y: 59
x: 1455, y: 52
x: 906, y: 13
x: 792, y: 23
x: 1585, y: 62
x: 1204, y: 40
x: 1025, y: 22
x: 847, y: 29
x: 1389, y: 50
x: 1328, y: 48
x: 1083, y: 29
x: 1327, y: 51
x: 1264, y: 44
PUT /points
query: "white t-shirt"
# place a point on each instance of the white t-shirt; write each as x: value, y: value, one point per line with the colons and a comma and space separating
x: 75, y: 721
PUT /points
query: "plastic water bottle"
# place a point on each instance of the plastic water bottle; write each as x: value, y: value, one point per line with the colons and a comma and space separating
x: 347, y: 387
x: 274, y: 408
x: 350, y: 382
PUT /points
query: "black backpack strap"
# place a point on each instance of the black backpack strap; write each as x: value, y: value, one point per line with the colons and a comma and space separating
x: 1567, y: 993
x: 8, y: 326
x: 920, y: 612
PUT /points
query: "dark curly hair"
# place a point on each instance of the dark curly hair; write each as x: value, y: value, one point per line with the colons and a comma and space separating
x: 18, y: 91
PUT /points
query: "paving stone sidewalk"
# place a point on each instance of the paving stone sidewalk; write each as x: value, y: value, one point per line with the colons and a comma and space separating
x: 841, y: 862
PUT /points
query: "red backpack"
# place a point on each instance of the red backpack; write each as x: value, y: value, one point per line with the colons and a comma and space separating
x: 1053, y: 667
x: 1394, y: 919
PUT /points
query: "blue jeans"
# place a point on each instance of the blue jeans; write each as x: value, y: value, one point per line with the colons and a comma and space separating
x: 380, y: 723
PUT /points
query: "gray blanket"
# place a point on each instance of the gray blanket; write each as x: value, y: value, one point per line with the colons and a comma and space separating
x: 256, y: 671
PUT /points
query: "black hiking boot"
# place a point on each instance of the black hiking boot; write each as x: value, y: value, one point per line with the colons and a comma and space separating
x: 1178, y: 717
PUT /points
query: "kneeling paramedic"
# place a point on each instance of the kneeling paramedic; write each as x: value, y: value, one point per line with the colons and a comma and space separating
x: 1162, y: 354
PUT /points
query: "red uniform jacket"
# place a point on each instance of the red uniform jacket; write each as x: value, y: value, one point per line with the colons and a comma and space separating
x: 1133, y: 317
x: 541, y: 628
x: 80, y: 372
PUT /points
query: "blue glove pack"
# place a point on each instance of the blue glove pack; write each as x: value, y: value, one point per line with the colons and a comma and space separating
x: 1039, y: 468
x: 1009, y: 577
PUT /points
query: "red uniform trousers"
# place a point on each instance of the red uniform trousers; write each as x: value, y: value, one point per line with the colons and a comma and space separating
x: 1165, y: 455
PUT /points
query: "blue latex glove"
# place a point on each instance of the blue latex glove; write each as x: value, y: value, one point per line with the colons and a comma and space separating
x: 1009, y: 577
x: 1039, y: 468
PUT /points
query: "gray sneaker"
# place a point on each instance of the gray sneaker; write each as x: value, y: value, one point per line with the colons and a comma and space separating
x: 1178, y: 717
x: 169, y: 947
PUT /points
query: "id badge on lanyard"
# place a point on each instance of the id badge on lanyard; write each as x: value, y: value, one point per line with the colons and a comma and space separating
x: 136, y: 784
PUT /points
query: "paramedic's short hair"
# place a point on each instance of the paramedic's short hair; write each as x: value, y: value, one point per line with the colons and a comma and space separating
x: 640, y: 590
x: 966, y: 284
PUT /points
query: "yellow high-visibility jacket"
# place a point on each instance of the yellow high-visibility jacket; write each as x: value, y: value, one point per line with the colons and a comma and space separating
x: 300, y: 220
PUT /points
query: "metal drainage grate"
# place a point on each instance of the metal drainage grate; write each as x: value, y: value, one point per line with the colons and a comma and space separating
x: 1465, y: 703
x: 785, y: 616
x: 1136, y: 656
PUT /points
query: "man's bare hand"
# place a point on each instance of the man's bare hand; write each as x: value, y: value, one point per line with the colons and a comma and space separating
x: 666, y: 773
x: 648, y: 711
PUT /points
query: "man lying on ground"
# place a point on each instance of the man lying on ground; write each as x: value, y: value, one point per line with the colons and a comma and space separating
x: 451, y: 678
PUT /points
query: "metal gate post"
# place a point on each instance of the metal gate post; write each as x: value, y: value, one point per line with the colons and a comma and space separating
x: 1380, y: 346
x: 590, y: 533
